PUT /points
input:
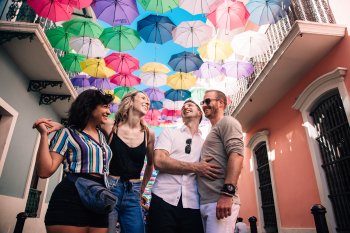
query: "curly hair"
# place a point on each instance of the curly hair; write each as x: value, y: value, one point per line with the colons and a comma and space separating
x: 83, y: 106
x: 125, y: 105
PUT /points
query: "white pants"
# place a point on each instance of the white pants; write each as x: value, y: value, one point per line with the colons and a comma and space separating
x: 212, y: 225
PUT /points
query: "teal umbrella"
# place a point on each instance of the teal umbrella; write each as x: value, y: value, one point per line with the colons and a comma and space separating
x: 59, y: 38
x: 120, y: 38
x: 71, y: 62
x: 121, y: 91
x: 159, y: 6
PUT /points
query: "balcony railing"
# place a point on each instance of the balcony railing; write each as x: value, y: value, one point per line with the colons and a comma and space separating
x: 306, y: 10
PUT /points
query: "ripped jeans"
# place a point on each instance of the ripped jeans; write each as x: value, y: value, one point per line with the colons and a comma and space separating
x: 128, y: 209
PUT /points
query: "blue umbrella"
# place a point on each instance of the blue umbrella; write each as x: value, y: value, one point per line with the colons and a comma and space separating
x: 81, y: 80
x: 177, y: 95
x: 185, y: 62
x: 156, y: 105
x: 155, y: 29
x: 266, y: 11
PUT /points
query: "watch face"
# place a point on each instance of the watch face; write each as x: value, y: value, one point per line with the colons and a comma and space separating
x: 230, y: 187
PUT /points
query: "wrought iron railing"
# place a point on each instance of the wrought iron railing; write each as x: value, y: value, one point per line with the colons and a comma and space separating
x: 306, y: 10
x: 32, y: 202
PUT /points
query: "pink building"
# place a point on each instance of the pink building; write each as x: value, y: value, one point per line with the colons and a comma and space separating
x: 295, y: 112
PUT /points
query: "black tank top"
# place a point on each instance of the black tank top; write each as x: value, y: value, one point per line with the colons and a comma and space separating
x: 127, y: 162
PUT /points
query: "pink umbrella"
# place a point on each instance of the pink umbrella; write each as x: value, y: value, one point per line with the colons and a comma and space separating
x: 80, y: 4
x: 152, y: 117
x: 229, y: 15
x: 51, y: 9
x: 126, y: 80
x: 122, y: 62
x: 238, y: 69
x: 171, y: 113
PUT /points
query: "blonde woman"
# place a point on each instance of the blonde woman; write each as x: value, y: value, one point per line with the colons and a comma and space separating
x: 130, y: 141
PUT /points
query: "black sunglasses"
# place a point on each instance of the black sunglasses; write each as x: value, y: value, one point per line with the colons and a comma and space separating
x: 188, y: 146
x: 207, y: 101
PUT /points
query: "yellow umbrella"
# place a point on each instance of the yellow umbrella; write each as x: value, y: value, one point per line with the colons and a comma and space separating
x: 215, y: 50
x: 181, y: 80
x: 96, y: 68
x: 155, y: 67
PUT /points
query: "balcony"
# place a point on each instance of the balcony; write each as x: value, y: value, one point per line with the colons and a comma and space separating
x: 23, y: 38
x: 298, y: 42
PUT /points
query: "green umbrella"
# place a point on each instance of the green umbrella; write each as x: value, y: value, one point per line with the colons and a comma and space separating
x: 120, y: 38
x: 121, y: 91
x: 59, y: 38
x: 159, y: 6
x: 71, y: 62
x: 83, y: 27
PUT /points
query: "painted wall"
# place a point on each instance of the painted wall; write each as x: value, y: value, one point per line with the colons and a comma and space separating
x: 292, y: 165
x: 19, y: 163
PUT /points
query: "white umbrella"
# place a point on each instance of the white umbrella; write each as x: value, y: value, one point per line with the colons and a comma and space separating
x: 173, y: 105
x: 153, y: 79
x: 196, y: 6
x: 191, y: 34
x: 250, y: 44
x: 89, y: 47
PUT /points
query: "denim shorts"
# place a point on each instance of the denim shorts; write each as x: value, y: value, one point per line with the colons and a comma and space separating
x: 65, y: 208
x: 128, y: 209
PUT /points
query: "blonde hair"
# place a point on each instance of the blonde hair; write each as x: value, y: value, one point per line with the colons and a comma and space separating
x: 125, y: 105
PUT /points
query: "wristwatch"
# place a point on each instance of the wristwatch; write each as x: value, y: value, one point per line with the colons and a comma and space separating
x: 229, y: 189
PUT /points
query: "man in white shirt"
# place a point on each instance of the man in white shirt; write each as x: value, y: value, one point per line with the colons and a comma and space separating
x: 241, y: 227
x: 174, y: 206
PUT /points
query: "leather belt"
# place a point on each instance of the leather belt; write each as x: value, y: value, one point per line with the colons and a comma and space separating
x: 123, y: 179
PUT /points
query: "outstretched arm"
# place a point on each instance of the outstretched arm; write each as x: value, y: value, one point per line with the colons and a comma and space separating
x: 164, y: 163
x: 149, y: 166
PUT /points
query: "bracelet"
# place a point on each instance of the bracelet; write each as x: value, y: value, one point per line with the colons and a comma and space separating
x: 226, y: 194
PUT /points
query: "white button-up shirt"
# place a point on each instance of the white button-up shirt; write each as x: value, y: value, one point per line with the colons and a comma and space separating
x: 170, y: 187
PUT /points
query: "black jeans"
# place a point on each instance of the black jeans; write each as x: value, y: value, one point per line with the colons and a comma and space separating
x: 166, y: 218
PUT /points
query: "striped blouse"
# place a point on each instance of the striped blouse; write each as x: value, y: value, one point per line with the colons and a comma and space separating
x: 82, y: 154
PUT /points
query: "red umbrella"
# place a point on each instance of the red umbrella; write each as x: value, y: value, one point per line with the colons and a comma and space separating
x: 173, y: 113
x: 80, y: 4
x: 126, y: 80
x: 51, y: 9
x: 122, y: 62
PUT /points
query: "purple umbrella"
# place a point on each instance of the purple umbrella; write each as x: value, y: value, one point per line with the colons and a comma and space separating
x: 115, y: 12
x: 102, y: 83
x: 80, y: 80
x: 113, y: 107
x: 238, y: 69
x: 209, y: 70
x: 154, y: 94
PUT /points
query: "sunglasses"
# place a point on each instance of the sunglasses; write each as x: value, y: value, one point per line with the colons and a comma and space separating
x: 188, y: 146
x: 207, y: 101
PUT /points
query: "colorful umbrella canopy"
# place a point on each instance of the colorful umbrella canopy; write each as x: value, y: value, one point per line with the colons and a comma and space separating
x: 89, y: 47
x: 185, y: 62
x: 250, y: 43
x: 159, y: 6
x: 122, y: 62
x: 209, y: 70
x: 71, y: 62
x: 83, y: 27
x: 126, y: 80
x: 154, y: 93
x: 59, y: 38
x: 80, y: 4
x: 190, y: 34
x: 230, y: 15
x: 120, y: 38
x: 173, y: 105
x: 171, y: 113
x: 238, y: 69
x: 196, y: 6
x: 156, y: 105
x: 197, y: 93
x: 155, y: 29
x: 53, y: 10
x: 266, y: 11
x: 102, y: 83
x: 121, y: 91
x: 96, y: 68
x: 152, y: 117
x: 80, y: 80
x: 181, y: 80
x: 177, y: 95
x: 115, y: 12
x: 215, y: 50
x: 153, y: 79
x: 155, y: 67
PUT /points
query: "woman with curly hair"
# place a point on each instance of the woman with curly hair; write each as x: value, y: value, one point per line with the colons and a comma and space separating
x: 130, y: 141
x: 84, y: 152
